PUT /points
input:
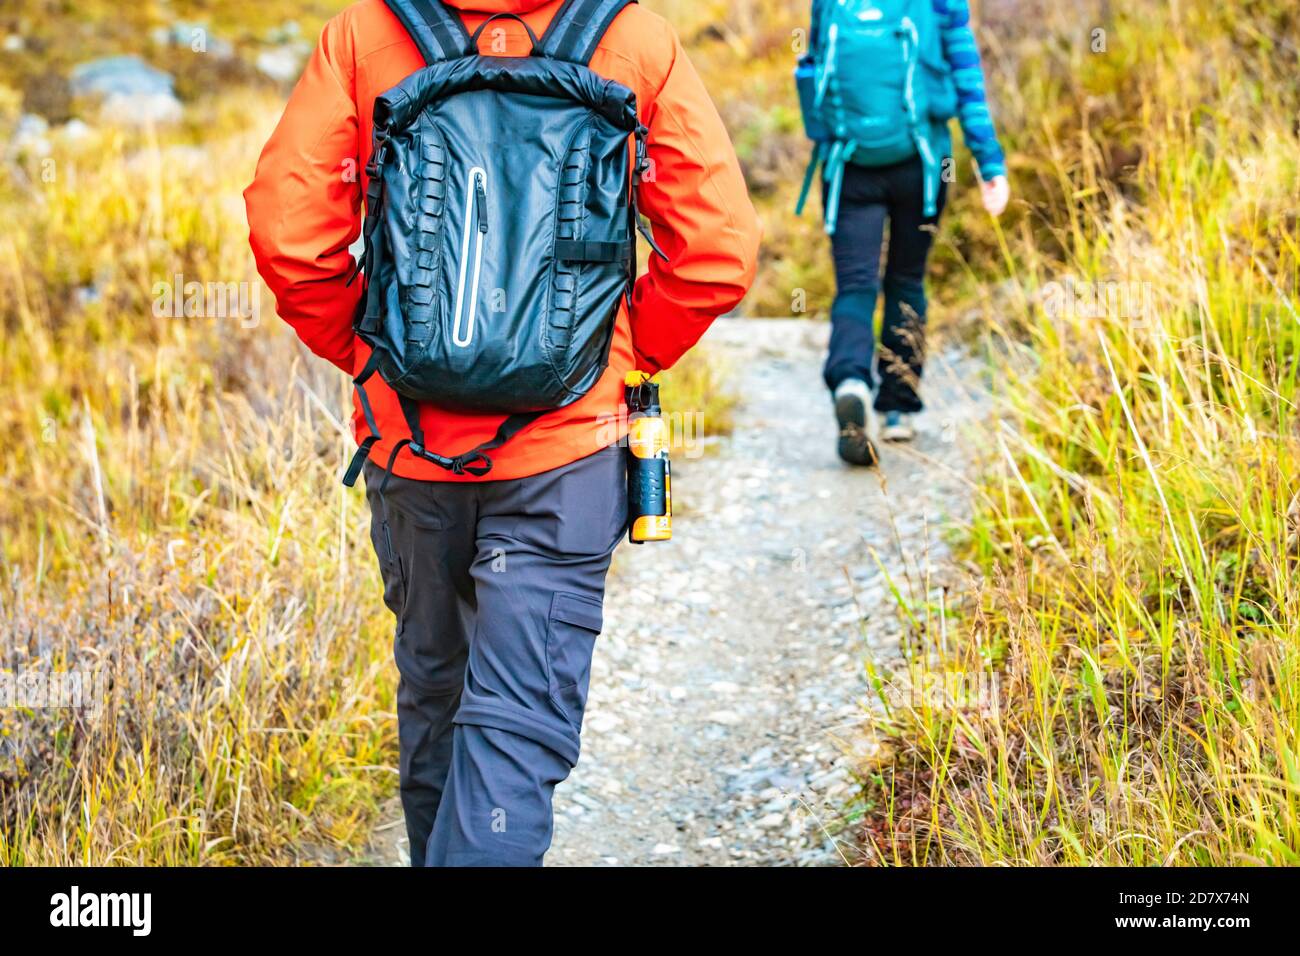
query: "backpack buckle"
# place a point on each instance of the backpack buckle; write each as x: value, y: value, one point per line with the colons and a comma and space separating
x: 378, y: 155
x: 642, y: 152
x: 415, y: 448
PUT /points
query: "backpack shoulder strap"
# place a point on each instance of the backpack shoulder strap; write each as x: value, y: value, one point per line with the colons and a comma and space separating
x: 436, y: 30
x: 815, y: 27
x: 577, y: 28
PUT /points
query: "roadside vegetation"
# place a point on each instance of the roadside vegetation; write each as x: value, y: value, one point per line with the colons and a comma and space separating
x: 1123, y: 687
x: 173, y: 534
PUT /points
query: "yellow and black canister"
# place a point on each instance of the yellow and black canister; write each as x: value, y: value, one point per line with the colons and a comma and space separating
x: 649, y: 478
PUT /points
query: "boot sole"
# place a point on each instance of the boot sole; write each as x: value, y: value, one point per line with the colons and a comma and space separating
x: 855, y: 446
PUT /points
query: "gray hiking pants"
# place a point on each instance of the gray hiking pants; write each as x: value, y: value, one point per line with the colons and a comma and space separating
x: 497, y: 588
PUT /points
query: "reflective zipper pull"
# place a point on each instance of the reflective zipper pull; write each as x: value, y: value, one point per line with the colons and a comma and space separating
x: 480, y: 197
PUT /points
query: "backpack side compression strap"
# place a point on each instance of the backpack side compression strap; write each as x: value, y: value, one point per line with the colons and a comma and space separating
x: 437, y: 31
x: 363, y: 451
x: 576, y: 30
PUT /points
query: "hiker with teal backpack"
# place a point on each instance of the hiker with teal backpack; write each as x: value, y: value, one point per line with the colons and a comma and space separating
x: 881, y: 82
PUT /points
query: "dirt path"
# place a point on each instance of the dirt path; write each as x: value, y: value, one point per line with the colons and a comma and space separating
x: 728, y: 685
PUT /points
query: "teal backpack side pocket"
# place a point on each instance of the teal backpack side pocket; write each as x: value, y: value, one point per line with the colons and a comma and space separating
x: 805, y: 82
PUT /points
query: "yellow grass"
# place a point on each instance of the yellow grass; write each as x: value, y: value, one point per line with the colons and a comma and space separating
x: 1139, y: 522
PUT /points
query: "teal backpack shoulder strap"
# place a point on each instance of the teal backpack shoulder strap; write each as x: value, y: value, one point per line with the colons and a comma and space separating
x: 815, y: 27
x: 922, y: 29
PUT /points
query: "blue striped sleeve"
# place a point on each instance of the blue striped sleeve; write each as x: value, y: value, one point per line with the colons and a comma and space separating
x: 963, y: 58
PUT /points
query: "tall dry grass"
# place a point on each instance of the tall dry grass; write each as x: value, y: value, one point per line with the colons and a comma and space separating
x: 173, y: 532
x: 1134, y: 648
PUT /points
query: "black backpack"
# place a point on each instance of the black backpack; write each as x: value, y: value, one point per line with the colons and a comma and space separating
x: 500, y: 226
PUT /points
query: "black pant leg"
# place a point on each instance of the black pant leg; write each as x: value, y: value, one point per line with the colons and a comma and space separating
x: 423, y: 533
x: 856, y: 248
x: 901, y: 360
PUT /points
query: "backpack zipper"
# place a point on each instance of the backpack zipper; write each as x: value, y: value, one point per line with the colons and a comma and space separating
x: 476, y: 222
x: 480, y: 195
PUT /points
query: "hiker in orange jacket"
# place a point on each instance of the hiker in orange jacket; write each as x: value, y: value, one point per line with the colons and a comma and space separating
x: 494, y: 666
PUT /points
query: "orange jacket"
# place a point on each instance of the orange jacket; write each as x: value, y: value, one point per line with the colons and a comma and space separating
x: 304, y: 211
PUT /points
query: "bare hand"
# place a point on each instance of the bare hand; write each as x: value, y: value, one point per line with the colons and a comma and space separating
x: 995, y: 193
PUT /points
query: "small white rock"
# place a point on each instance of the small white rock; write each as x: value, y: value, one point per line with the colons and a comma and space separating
x: 727, y: 718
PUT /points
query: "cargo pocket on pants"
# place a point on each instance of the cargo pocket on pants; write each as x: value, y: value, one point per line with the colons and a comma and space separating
x: 570, y: 642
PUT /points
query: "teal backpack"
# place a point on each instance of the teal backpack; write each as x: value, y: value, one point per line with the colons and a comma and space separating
x: 874, y: 91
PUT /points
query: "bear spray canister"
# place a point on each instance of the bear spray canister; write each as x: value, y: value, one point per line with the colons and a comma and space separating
x: 650, y: 509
